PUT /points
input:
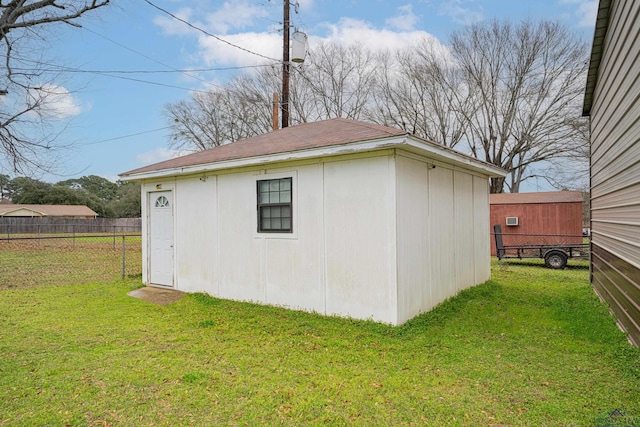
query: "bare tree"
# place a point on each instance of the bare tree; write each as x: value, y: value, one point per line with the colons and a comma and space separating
x: 338, y: 81
x: 209, y: 119
x: 569, y: 171
x: 527, y: 83
x: 26, y: 139
x: 508, y: 95
x: 421, y: 91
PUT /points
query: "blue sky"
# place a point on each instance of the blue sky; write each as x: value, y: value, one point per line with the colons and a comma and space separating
x: 124, y: 65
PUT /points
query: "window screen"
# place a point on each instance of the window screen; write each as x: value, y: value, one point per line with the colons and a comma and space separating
x: 274, y: 205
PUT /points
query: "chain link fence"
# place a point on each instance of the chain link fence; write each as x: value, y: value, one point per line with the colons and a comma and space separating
x: 59, y: 254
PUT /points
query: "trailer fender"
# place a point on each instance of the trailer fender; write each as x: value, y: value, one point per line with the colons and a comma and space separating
x: 556, y: 259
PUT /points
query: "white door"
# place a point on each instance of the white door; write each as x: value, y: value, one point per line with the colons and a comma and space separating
x: 161, y: 238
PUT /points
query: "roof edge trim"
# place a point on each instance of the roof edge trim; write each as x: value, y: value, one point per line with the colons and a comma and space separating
x: 439, y: 152
x: 600, y: 32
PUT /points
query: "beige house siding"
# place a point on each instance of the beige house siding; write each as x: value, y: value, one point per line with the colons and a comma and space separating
x: 614, y: 107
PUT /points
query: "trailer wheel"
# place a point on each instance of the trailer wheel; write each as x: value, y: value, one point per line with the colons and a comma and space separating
x: 555, y: 259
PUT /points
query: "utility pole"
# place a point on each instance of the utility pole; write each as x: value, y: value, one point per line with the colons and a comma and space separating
x: 285, y: 68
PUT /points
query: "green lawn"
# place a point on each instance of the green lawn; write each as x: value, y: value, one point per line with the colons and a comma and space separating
x: 531, y: 347
x: 60, y: 261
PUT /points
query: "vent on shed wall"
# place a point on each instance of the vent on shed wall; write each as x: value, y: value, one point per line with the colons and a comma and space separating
x: 512, y: 220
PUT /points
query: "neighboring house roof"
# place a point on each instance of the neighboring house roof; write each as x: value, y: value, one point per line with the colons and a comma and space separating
x: 46, y: 210
x: 540, y: 197
x: 308, y: 140
x: 602, y: 25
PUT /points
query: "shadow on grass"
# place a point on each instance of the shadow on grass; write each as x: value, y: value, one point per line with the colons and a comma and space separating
x: 539, y: 264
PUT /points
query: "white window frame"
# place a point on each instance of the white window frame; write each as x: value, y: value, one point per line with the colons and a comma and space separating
x: 293, y: 174
x: 278, y: 210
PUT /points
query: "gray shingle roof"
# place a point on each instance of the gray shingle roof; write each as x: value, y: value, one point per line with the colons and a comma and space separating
x: 294, y: 138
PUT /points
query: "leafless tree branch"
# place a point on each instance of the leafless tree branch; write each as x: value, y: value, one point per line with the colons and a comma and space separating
x: 27, y: 131
x: 507, y: 94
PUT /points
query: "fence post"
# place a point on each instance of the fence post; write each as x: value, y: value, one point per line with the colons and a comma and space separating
x: 114, y: 237
x: 123, y: 253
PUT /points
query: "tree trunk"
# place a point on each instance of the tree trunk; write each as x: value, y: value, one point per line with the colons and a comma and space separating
x: 497, y: 185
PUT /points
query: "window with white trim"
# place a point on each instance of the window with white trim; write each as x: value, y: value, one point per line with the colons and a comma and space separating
x: 275, y: 205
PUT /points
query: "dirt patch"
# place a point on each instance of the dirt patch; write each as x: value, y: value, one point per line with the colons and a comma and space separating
x: 158, y: 296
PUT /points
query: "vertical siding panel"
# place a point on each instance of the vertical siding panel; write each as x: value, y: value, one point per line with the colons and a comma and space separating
x: 236, y: 207
x: 359, y: 202
x: 442, y: 231
x: 192, y: 242
x: 481, y: 237
x: 413, y: 259
x: 463, y: 219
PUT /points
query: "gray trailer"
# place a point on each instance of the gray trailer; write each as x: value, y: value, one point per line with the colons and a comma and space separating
x: 549, y: 247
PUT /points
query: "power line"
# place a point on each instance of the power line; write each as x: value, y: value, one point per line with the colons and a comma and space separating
x: 109, y: 73
x: 156, y: 83
x: 123, y: 136
x: 208, y: 33
x: 56, y: 67
x: 150, y: 58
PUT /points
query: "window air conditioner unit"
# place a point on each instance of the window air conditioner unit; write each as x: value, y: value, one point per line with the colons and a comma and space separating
x: 512, y: 221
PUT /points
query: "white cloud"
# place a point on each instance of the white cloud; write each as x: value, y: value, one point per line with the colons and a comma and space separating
x: 586, y: 10
x: 214, y: 51
x: 56, y: 102
x: 349, y: 31
x: 460, y: 13
x: 404, y: 20
x: 235, y: 15
x: 346, y: 32
x: 171, y: 26
x: 231, y: 16
x: 158, y: 155
x: 400, y: 32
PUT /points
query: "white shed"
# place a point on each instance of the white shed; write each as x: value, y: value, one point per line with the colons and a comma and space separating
x: 338, y: 217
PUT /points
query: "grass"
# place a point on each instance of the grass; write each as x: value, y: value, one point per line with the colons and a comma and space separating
x: 60, y: 261
x: 531, y: 347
